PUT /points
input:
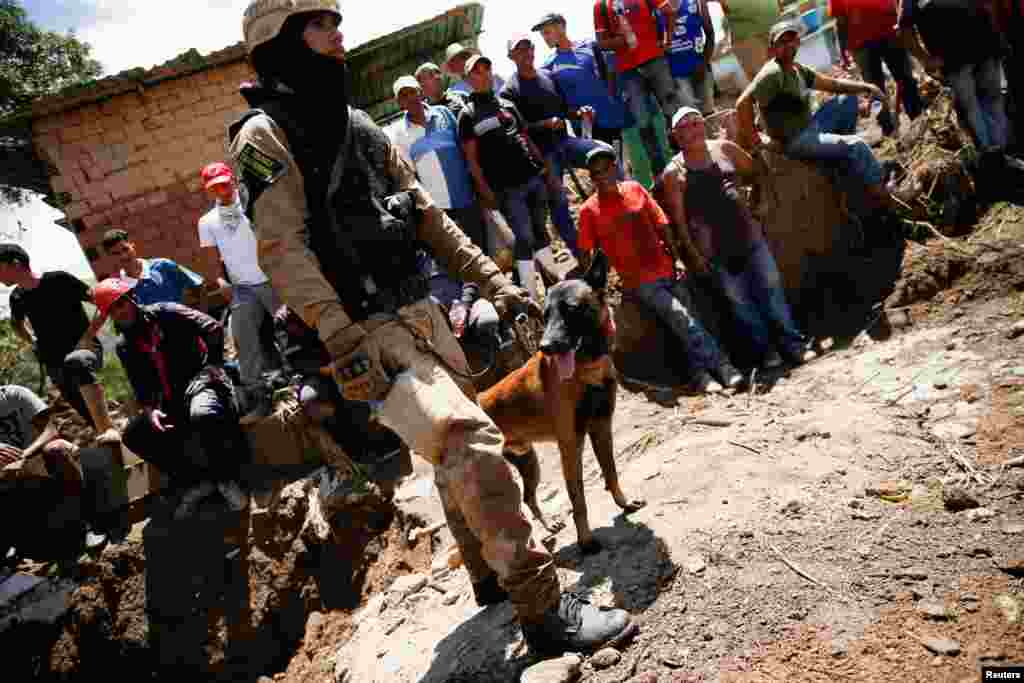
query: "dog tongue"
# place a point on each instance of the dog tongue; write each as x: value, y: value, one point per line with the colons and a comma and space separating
x: 566, y: 365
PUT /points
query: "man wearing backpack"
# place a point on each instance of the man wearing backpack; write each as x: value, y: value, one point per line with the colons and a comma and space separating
x: 630, y: 28
x: 339, y: 216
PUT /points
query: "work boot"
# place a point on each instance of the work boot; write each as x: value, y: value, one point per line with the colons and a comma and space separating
x: 489, y: 591
x: 574, y: 625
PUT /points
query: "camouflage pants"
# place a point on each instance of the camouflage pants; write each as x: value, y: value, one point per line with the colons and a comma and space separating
x: 438, y: 419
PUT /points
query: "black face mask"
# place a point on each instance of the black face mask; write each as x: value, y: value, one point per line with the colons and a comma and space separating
x: 288, y: 60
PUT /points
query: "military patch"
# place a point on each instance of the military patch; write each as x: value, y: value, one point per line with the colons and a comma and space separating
x: 260, y: 166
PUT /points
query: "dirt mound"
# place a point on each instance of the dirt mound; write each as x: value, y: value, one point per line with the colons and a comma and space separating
x: 300, y: 593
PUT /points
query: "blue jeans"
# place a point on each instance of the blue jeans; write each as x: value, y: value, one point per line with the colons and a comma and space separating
x: 830, y: 139
x: 670, y: 301
x: 570, y: 153
x: 978, y: 92
x: 250, y: 305
x: 759, y: 302
x: 653, y: 77
x: 525, y: 209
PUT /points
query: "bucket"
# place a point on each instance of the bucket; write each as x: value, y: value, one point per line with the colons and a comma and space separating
x: 811, y: 20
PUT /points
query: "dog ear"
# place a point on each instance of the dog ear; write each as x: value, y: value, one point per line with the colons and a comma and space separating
x: 597, y: 275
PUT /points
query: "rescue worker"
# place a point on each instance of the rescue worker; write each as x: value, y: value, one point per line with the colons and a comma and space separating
x: 338, y: 213
x: 173, y: 356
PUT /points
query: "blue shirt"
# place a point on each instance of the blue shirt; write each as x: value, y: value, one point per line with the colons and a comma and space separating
x: 164, y: 281
x: 686, y: 50
x: 435, y: 151
x: 578, y: 77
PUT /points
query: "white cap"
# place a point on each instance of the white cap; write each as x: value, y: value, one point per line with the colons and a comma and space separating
x: 405, y: 82
x: 684, y: 111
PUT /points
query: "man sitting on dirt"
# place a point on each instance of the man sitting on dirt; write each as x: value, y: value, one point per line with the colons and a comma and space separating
x: 40, y: 480
x: 173, y: 356
x: 960, y: 38
x: 703, y: 198
x: 624, y: 220
x: 782, y: 91
x: 63, y: 339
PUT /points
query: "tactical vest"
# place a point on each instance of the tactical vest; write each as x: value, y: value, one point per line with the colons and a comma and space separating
x: 360, y: 226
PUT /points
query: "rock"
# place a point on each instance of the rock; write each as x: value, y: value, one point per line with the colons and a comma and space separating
x: 865, y: 516
x: 933, y: 610
x: 913, y: 573
x: 695, y: 564
x: 941, y: 385
x: 605, y: 658
x: 450, y: 598
x: 1013, y: 528
x: 980, y: 551
x: 953, y: 431
x: 942, y: 646
x: 956, y: 498
x: 810, y: 433
x: 264, y: 679
x: 1009, y: 606
x: 979, y: 514
x: 856, y: 503
x: 560, y: 670
x: 840, y: 648
x: 1016, y: 330
x: 408, y: 584
x: 793, y: 507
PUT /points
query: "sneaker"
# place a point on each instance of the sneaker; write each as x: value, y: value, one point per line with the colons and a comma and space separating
x: 771, y: 360
x: 730, y: 376
x: 706, y: 384
x: 489, y: 592
x: 574, y: 625
x: 237, y: 499
x: 190, y: 499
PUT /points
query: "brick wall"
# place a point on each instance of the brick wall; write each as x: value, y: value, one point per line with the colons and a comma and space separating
x: 133, y: 161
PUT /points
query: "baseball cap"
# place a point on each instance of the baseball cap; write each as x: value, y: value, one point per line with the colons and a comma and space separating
x: 13, y: 253
x: 601, y: 150
x: 682, y: 112
x: 473, y: 61
x: 549, y: 18
x: 782, y: 28
x: 514, y: 41
x: 405, y: 82
x: 453, y: 51
x: 426, y: 66
x: 216, y: 173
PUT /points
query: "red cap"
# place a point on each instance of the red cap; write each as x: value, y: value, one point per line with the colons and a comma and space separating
x: 216, y: 173
x: 109, y: 291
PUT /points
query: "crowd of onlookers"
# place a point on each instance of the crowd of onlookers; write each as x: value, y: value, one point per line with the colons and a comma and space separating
x: 494, y: 154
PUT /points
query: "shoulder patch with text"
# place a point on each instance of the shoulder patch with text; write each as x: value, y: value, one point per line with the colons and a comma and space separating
x: 260, y: 166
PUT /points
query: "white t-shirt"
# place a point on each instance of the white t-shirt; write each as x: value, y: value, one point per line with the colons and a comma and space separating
x: 228, y: 229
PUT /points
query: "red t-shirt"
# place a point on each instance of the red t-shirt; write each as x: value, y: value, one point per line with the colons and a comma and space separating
x: 866, y: 20
x: 641, y: 17
x: 630, y: 228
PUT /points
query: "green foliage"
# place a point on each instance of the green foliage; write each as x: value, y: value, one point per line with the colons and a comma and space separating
x: 35, y: 62
x: 114, y: 379
x: 17, y: 363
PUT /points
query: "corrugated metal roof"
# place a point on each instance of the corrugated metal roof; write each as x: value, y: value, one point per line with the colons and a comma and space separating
x: 375, y: 65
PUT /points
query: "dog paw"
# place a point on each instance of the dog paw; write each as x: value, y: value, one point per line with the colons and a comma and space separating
x: 591, y: 547
x: 632, y: 505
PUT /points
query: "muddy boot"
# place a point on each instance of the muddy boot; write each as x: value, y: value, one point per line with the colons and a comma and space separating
x: 96, y: 402
x: 574, y: 625
x: 489, y: 592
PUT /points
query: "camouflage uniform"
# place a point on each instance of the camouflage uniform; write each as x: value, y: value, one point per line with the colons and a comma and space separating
x: 426, y: 406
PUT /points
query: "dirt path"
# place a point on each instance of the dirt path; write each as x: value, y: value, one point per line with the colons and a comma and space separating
x: 788, y: 487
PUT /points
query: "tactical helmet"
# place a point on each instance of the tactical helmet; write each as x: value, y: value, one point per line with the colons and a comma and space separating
x: 264, y: 18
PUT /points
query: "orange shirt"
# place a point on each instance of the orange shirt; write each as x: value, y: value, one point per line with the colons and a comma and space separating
x: 630, y: 228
